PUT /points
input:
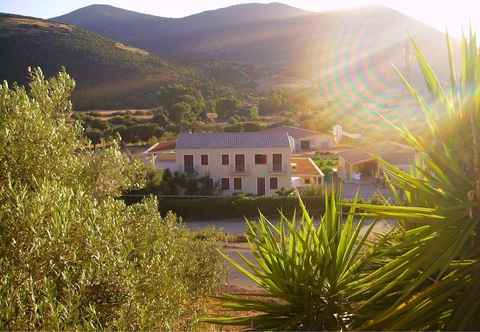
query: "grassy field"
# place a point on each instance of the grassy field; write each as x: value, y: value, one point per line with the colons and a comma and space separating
x: 143, y: 114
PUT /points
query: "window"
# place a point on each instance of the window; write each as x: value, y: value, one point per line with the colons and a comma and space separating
x: 225, y: 184
x: 237, y: 183
x: 204, y: 159
x: 240, y: 163
x: 277, y: 162
x: 260, y: 159
x: 307, y: 180
x: 273, y: 183
x: 225, y: 160
x: 305, y: 145
x: 188, y: 163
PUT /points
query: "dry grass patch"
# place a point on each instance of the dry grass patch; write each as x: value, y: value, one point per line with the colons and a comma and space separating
x: 38, y: 23
x: 131, y: 49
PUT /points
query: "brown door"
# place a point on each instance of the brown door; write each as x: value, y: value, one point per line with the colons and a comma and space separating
x: 277, y: 162
x: 240, y: 163
x: 260, y: 186
x: 188, y: 163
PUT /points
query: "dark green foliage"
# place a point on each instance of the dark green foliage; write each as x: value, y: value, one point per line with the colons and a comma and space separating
x: 326, y: 162
x: 228, y: 73
x: 127, y: 127
x: 71, y: 256
x: 253, y: 113
x: 244, y: 126
x: 94, y: 135
x: 290, y: 192
x: 227, y: 107
x: 137, y: 133
x: 182, y: 115
x: 274, y: 103
x: 232, y: 207
x: 166, y: 183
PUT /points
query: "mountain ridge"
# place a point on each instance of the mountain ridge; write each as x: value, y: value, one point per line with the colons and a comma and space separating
x: 346, y: 54
x: 97, y: 63
x: 212, y: 34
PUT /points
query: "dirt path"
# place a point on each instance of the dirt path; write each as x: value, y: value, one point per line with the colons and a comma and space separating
x: 236, y: 281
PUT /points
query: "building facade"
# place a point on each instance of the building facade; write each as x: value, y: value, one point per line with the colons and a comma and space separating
x: 253, y: 163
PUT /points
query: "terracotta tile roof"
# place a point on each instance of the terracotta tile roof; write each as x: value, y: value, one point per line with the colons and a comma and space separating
x: 162, y: 146
x: 304, y: 166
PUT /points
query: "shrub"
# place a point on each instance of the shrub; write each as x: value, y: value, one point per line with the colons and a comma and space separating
x: 211, y: 232
x: 232, y: 207
x: 163, y: 182
x: 327, y: 163
x: 72, y: 257
x: 75, y: 262
x: 94, y: 135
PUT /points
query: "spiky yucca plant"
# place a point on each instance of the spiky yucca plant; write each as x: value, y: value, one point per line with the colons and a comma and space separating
x: 430, y: 278
x: 424, y: 275
x: 304, y: 269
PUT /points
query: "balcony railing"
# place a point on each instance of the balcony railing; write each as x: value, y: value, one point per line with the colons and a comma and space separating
x: 277, y: 169
x: 239, y: 170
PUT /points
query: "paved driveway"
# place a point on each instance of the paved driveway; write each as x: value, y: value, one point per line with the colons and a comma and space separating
x: 366, y: 190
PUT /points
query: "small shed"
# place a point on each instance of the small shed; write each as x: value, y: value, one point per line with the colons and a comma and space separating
x: 162, y: 155
x: 361, y: 163
x: 305, y: 172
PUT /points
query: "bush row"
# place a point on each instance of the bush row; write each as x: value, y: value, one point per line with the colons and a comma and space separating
x: 213, y: 208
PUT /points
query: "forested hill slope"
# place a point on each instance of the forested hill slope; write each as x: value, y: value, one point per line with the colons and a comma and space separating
x: 344, y: 56
x: 108, y: 73
x: 147, y: 30
x: 274, y: 34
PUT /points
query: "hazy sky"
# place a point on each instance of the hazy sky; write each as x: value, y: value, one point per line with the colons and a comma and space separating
x: 438, y: 13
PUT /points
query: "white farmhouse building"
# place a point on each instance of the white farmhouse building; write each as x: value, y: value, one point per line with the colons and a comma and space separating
x: 305, y: 140
x: 256, y: 163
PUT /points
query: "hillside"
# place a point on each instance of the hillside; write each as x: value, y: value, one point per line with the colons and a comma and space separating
x: 261, y: 34
x: 148, y: 30
x: 108, y: 73
x: 343, y: 56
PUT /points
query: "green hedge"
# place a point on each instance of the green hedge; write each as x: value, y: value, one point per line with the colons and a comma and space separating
x: 233, y: 207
